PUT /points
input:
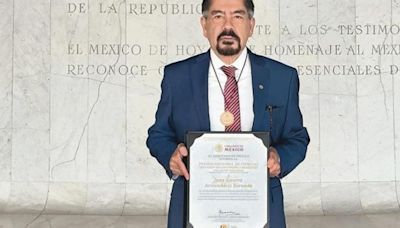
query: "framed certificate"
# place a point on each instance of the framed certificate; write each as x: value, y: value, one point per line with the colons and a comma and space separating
x: 228, y: 185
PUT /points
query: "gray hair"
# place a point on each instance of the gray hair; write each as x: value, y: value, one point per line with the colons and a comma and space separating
x: 205, y: 6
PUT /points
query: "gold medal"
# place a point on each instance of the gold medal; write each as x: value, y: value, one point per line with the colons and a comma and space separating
x: 227, y: 118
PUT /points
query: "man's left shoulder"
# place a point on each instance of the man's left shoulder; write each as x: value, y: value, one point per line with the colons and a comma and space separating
x: 275, y: 65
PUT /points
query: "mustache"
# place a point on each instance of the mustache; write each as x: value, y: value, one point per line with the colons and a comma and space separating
x: 228, y: 33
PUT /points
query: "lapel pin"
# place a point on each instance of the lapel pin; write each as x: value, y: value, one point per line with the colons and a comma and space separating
x: 261, y: 87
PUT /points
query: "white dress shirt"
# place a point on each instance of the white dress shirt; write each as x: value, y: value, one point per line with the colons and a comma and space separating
x: 216, y: 103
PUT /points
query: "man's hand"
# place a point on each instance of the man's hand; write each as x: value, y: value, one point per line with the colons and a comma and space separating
x: 273, y: 162
x: 176, y: 164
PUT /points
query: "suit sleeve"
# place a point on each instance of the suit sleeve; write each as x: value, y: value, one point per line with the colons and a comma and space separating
x: 161, y: 139
x: 293, y: 143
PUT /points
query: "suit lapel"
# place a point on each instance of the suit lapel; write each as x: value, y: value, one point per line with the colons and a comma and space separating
x: 199, y: 76
x: 260, y: 80
x: 261, y: 83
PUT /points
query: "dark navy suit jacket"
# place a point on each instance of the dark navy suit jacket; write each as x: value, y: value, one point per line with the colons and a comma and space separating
x: 183, y: 107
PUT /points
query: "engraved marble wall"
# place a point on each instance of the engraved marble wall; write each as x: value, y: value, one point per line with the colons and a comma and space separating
x: 80, y: 81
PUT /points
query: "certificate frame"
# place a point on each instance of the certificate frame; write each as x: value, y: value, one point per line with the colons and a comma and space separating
x: 228, y: 217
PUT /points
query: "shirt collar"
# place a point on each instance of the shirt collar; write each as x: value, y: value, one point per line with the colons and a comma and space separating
x: 239, y: 62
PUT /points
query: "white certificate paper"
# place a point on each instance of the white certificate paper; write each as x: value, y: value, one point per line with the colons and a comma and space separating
x: 228, y: 186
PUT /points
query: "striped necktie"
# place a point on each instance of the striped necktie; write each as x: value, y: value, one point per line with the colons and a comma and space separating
x: 231, y: 97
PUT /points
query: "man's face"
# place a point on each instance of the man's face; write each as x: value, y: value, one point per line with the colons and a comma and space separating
x: 227, y: 26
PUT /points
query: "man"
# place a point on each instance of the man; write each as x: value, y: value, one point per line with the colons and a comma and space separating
x: 228, y: 88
